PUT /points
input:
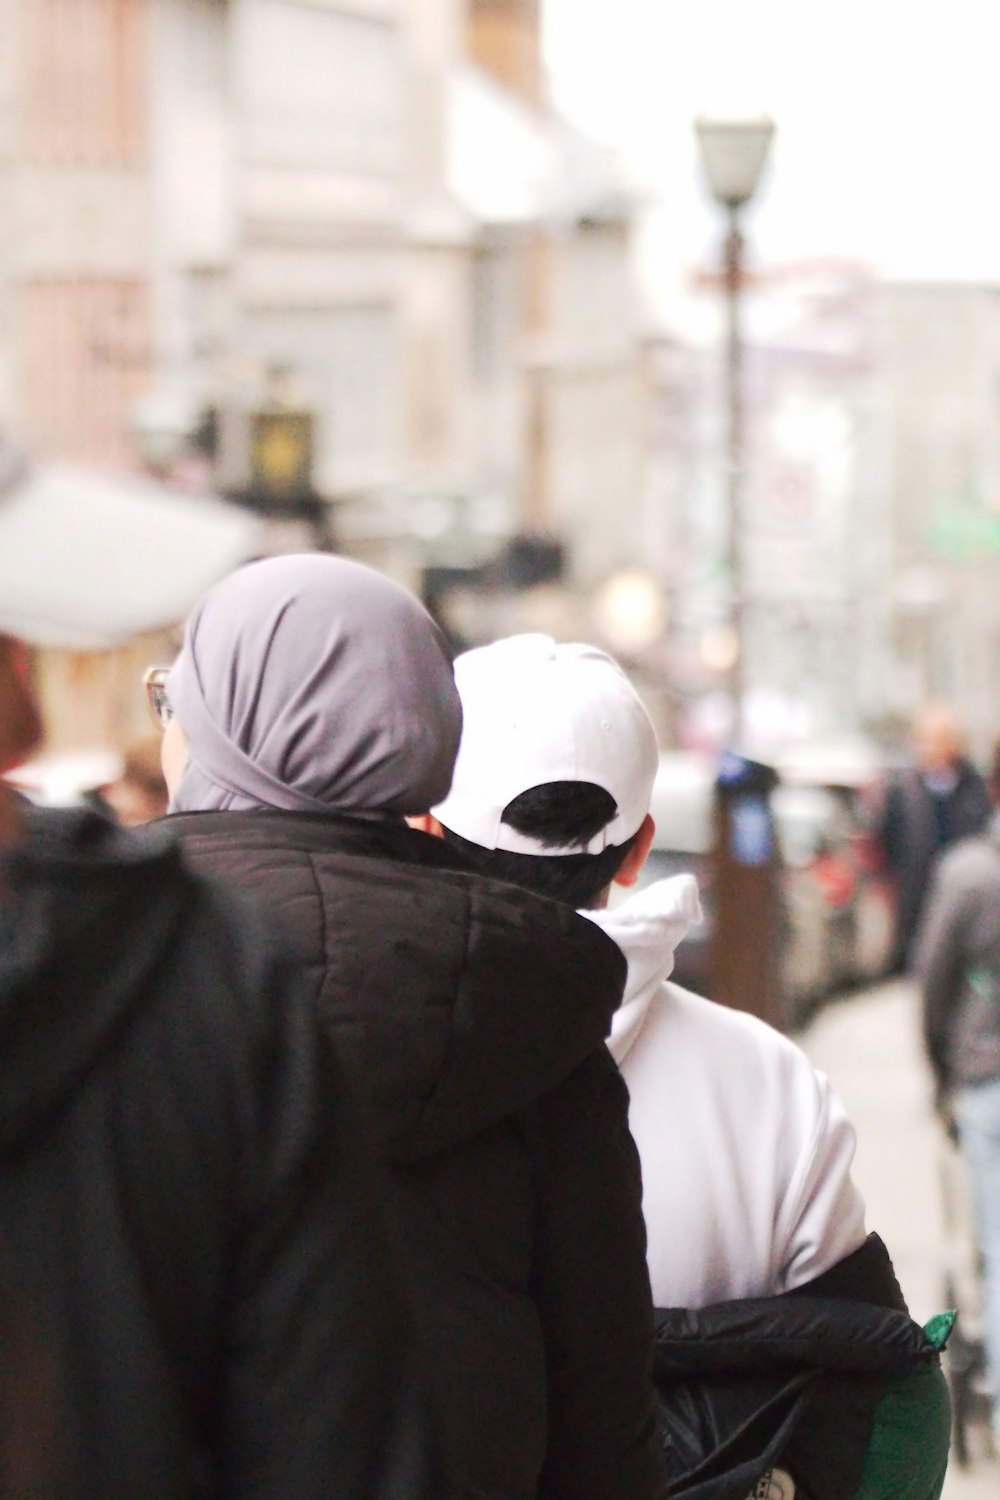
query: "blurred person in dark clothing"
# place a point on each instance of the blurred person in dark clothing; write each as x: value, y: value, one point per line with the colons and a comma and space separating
x: 957, y: 962
x: 195, y: 1274
x: 923, y: 809
x: 312, y: 708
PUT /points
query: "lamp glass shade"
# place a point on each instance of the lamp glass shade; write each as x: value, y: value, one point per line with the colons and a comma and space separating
x: 733, y: 153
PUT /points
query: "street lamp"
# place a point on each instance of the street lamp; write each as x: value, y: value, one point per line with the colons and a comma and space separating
x: 733, y: 153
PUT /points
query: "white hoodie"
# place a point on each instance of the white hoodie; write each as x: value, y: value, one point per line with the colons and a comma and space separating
x: 745, y: 1151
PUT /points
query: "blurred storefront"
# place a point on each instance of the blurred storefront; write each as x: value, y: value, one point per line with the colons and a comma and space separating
x: 368, y: 201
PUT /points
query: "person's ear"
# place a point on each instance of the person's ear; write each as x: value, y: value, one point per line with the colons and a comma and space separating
x: 426, y: 823
x: 628, y: 870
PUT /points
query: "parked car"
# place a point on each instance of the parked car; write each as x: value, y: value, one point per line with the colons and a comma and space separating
x: 838, y: 911
x: 834, y: 840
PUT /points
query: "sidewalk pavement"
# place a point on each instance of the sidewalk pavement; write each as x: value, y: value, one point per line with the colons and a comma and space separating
x: 869, y: 1047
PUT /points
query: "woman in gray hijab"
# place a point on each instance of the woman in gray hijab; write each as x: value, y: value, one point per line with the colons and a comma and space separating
x: 314, y: 709
x: 312, y: 684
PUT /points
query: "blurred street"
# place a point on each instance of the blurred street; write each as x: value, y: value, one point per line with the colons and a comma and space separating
x: 868, y: 1045
x: 654, y: 328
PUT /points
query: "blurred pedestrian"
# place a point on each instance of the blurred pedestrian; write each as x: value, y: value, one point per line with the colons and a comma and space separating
x: 139, y: 794
x: 195, y: 1270
x: 924, y: 808
x: 957, y: 962
x: 745, y: 1151
x: 313, y: 707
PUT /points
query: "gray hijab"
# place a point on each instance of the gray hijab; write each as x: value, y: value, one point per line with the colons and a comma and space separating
x: 314, y: 684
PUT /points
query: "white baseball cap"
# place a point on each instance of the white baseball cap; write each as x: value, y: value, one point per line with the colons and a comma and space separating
x: 536, y: 712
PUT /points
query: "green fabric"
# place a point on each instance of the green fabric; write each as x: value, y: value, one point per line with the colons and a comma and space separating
x: 938, y: 1330
x: 908, y: 1453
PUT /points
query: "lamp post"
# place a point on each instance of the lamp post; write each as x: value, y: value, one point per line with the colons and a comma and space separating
x: 733, y: 153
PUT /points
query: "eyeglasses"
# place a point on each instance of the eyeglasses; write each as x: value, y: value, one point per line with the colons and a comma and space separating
x: 154, y: 680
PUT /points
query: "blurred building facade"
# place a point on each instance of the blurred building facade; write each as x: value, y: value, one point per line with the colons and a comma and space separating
x: 75, y: 291
x: 583, y: 441
x: 814, y: 531
x: 198, y: 191
x: 361, y: 209
x: 941, y: 360
x: 870, y: 531
x: 278, y: 168
x: 524, y: 370
x: 368, y: 198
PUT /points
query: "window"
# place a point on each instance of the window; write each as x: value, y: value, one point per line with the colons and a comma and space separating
x: 83, y: 81
x: 85, y: 361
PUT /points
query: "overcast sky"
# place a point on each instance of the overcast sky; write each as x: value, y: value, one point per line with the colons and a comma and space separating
x: 888, y: 115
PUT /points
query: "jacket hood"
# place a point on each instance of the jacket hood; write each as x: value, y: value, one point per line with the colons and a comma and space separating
x: 647, y: 928
x: 87, y: 913
x: 459, y: 1000
x: 534, y: 995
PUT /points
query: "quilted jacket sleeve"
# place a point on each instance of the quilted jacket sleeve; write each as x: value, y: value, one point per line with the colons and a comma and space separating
x: 593, y: 1295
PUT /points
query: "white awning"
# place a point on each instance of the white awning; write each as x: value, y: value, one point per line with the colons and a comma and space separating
x: 88, y: 560
x: 510, y: 163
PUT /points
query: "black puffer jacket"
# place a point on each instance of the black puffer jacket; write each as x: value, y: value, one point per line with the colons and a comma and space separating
x: 793, y: 1381
x: 192, y: 1266
x: 474, y: 1015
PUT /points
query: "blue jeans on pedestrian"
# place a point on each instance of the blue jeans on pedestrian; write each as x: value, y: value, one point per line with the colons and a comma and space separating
x: 977, y: 1111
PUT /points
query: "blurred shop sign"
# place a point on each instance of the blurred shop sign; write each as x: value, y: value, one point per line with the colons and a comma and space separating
x: 282, y: 444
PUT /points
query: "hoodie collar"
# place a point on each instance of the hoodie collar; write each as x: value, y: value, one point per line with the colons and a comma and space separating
x: 647, y: 928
